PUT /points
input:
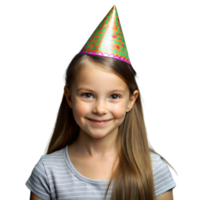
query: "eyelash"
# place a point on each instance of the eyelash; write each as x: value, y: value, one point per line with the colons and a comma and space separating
x: 111, y: 95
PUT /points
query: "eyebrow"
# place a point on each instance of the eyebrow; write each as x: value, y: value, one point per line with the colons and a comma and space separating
x: 118, y: 90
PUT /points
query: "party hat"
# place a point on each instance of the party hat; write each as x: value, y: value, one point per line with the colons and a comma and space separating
x: 108, y: 39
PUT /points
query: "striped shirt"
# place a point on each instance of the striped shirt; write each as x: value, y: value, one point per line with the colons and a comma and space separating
x: 55, y: 178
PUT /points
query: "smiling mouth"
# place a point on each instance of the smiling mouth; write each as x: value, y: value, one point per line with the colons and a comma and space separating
x: 99, y: 121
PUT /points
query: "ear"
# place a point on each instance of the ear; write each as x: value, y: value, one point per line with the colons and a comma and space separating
x: 68, y: 96
x: 132, y: 100
x: 66, y: 92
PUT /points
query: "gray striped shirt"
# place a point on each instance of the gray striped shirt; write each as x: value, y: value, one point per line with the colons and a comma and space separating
x: 55, y: 178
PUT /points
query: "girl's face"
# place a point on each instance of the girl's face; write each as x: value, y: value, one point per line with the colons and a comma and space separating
x: 93, y: 97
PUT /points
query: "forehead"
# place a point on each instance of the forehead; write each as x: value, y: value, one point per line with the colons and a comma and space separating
x: 96, y: 76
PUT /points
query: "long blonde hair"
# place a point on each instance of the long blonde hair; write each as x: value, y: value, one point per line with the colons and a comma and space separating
x: 133, y: 177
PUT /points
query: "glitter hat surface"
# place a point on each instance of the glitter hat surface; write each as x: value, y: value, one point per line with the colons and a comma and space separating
x: 108, y: 39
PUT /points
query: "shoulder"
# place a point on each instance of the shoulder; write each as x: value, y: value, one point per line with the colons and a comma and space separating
x: 45, y: 161
x: 44, y: 172
x: 158, y: 163
x: 163, y: 180
x: 154, y: 159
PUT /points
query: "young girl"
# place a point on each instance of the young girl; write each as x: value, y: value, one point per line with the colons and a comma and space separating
x: 99, y: 147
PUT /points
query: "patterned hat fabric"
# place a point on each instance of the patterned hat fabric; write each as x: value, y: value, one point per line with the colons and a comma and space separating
x: 108, y: 39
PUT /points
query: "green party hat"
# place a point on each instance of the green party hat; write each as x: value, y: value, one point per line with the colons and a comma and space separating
x: 108, y: 39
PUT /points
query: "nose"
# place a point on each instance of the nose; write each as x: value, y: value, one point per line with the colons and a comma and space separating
x: 100, y: 107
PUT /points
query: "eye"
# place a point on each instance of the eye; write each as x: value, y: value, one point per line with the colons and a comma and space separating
x: 90, y: 94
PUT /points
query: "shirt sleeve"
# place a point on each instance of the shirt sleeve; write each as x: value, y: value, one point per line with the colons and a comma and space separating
x: 38, y: 181
x: 163, y: 180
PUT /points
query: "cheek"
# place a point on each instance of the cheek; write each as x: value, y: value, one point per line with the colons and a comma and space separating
x: 80, y: 110
x: 119, y: 111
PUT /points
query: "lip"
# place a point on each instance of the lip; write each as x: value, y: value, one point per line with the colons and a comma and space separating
x: 99, y: 123
x: 99, y: 120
